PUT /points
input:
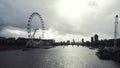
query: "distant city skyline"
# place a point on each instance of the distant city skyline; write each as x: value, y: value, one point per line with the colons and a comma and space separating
x: 63, y: 19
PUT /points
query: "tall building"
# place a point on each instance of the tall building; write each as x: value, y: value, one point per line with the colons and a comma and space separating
x: 82, y: 40
x: 73, y: 41
x: 96, y: 38
x: 92, y: 40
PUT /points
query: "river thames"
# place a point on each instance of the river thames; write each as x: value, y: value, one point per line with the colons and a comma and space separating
x: 58, y: 57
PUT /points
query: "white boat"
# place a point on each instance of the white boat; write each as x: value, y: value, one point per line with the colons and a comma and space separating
x: 38, y: 44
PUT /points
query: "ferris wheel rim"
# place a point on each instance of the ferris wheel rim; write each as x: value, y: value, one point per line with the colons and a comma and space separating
x: 30, y: 21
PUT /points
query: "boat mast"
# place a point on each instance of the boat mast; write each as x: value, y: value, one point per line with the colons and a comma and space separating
x: 115, y: 33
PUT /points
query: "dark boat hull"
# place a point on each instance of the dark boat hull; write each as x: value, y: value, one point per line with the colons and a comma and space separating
x: 102, y: 55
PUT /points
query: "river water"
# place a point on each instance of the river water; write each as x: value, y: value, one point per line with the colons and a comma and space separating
x: 58, y: 57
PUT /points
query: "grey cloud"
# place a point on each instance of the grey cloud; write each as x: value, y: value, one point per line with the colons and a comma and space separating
x: 92, y: 4
x: 15, y: 13
x: 9, y: 31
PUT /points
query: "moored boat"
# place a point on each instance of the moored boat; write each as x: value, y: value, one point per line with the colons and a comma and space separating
x: 104, y: 53
x: 111, y: 52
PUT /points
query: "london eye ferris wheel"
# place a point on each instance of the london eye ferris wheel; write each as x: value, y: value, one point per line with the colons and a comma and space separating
x: 32, y: 29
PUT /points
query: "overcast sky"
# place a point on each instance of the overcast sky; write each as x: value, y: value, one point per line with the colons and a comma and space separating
x: 63, y: 19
